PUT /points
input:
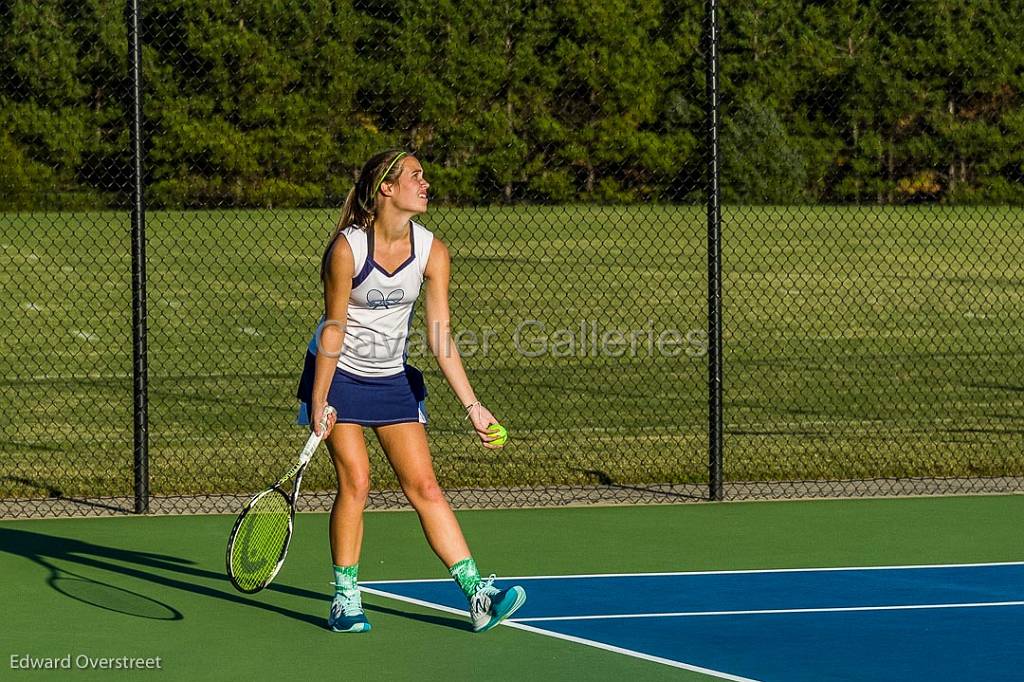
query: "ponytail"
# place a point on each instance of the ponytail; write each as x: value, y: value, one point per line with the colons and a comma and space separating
x: 360, y: 207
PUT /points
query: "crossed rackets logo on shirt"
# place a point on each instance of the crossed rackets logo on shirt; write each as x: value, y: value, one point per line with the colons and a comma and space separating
x: 376, y: 299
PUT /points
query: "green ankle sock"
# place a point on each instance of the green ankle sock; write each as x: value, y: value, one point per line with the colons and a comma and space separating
x: 466, y: 575
x: 345, y: 577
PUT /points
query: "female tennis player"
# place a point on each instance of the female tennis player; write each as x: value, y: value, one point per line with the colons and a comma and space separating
x: 373, y: 269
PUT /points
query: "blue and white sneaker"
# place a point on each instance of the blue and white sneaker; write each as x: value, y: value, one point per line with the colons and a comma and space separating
x: 489, y: 606
x: 347, y: 613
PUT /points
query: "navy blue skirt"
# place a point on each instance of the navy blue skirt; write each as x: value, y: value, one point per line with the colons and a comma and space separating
x: 368, y: 401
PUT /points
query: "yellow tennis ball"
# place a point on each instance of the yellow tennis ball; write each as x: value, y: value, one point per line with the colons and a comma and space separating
x: 502, y: 434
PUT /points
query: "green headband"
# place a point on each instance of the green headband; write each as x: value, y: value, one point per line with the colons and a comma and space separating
x: 383, y: 175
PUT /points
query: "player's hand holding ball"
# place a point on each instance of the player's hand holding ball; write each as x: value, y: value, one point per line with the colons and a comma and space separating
x: 500, y: 433
x: 492, y: 434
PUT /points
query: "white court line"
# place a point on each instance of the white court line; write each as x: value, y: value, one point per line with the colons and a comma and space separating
x: 570, y: 638
x: 753, y: 612
x: 731, y: 572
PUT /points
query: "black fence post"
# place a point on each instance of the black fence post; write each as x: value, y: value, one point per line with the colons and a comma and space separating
x: 140, y: 368
x: 714, y: 255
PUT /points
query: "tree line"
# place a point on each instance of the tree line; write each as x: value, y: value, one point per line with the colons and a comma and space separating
x: 275, y: 103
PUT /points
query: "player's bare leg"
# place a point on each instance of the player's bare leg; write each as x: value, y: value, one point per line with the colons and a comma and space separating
x: 409, y: 453
x: 352, y: 465
x: 407, y: 450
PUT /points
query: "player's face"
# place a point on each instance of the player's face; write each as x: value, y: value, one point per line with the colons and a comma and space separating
x: 409, y: 192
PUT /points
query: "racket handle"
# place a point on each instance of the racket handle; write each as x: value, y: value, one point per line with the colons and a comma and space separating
x: 328, y: 411
x: 314, y: 440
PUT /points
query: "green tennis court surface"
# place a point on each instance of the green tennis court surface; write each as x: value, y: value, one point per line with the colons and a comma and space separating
x: 155, y: 586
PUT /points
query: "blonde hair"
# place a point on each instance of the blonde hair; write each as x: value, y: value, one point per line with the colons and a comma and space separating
x: 360, y: 207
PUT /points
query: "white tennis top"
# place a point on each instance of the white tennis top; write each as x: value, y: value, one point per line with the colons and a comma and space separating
x: 381, y: 306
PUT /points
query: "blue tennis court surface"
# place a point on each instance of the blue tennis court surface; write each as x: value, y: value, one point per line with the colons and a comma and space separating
x: 955, y: 622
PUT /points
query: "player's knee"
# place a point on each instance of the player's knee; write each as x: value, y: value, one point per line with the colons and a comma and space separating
x: 425, y: 491
x: 357, y: 484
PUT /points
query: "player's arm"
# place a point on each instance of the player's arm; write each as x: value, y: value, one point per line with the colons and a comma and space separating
x: 337, y: 289
x: 442, y: 345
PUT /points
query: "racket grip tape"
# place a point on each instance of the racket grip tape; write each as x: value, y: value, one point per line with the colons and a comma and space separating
x: 328, y: 411
x: 314, y: 440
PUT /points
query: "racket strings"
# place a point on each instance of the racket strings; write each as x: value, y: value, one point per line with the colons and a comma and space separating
x: 260, y: 541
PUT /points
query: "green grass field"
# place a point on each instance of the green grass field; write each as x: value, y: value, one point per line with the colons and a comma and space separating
x: 860, y: 343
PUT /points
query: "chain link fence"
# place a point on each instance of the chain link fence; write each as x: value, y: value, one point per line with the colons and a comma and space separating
x: 873, y: 294
x: 871, y: 159
x: 65, y: 180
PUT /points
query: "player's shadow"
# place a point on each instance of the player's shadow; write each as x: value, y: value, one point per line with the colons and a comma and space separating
x: 443, y: 621
x: 51, y: 552
x: 45, y: 549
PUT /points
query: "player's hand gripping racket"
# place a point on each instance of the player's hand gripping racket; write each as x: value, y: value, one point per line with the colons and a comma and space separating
x: 259, y: 541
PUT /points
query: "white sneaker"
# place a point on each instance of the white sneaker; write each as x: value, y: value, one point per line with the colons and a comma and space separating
x: 347, y: 613
x: 489, y: 606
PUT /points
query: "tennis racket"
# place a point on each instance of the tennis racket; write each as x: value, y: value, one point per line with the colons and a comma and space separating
x: 259, y: 540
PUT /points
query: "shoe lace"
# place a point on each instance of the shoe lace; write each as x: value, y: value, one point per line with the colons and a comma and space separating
x: 484, y: 590
x: 349, y: 601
